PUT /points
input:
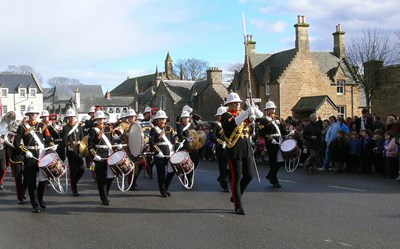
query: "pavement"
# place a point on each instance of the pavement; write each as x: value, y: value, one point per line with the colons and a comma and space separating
x: 326, y: 210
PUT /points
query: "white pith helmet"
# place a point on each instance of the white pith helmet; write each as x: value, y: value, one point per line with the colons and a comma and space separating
x: 130, y: 113
x: 187, y: 108
x: 70, y: 113
x: 269, y: 105
x: 147, y: 109
x: 160, y: 114
x: 233, y: 98
x: 221, y: 110
x: 45, y: 113
x: 140, y: 117
x: 92, y: 109
x: 32, y: 109
x: 185, y: 114
x: 99, y: 114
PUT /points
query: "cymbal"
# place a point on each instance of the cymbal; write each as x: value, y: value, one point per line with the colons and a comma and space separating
x: 83, y: 147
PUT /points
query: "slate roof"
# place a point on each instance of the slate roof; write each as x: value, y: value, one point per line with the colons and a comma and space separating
x: 180, y: 90
x: 312, y: 103
x: 127, y: 88
x: 14, y: 81
x: 330, y: 64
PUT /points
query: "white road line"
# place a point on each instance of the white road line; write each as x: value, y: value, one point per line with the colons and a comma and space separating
x: 338, y: 242
x: 283, y: 180
x: 351, y: 189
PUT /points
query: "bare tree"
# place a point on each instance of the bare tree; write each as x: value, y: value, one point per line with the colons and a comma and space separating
x: 192, y: 69
x: 367, y: 54
x: 62, y: 81
x: 24, y: 69
x: 232, y: 69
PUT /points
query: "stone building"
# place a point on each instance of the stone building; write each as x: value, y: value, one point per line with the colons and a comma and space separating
x: 18, y: 91
x: 288, y: 76
x: 167, y: 91
x: 385, y: 100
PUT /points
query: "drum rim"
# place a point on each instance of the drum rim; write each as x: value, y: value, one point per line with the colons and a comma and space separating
x: 45, y: 155
x: 134, y: 142
x: 116, y: 152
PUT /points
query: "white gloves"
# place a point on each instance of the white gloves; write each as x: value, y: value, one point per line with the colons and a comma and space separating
x: 274, y: 141
x: 29, y: 154
x: 160, y: 155
x: 242, y: 117
x: 116, y: 137
x: 97, y: 158
x: 251, y: 111
x: 119, y: 146
x: 257, y: 112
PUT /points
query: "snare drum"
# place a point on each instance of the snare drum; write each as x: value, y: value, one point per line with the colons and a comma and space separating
x: 181, y: 162
x: 289, y: 149
x: 120, y: 163
x: 51, y: 165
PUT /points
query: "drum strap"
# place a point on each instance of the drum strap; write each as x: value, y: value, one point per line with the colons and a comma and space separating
x: 166, y: 140
x: 73, y: 129
x: 186, y: 127
x: 278, y: 131
x: 34, y: 135
x: 104, y: 137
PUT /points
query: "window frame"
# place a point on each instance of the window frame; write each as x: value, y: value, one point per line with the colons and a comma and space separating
x: 20, y: 91
x: 340, y: 87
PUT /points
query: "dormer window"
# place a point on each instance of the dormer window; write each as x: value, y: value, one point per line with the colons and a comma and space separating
x: 22, y: 93
x: 340, y: 87
x: 4, y: 92
x: 32, y: 92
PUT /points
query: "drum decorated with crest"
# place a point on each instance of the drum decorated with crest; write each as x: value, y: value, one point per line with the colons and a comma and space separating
x: 51, y: 165
x: 290, y: 149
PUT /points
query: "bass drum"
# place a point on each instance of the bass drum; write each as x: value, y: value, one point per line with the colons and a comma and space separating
x: 135, y: 139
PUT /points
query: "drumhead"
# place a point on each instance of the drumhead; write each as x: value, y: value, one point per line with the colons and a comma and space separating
x: 47, y: 159
x: 178, y: 157
x: 116, y: 157
x: 135, y: 139
x: 288, y: 145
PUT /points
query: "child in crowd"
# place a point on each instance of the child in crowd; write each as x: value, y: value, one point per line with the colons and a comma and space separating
x: 366, y: 153
x: 391, y: 155
x: 339, y: 151
x: 352, y: 162
x: 379, y: 160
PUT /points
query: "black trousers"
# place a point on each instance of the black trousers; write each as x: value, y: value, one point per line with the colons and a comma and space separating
x: 164, y: 178
x: 30, y: 171
x: 103, y: 183
x: 20, y: 183
x: 222, y: 167
x: 76, y: 169
x: 3, y: 168
x: 274, y: 166
x: 241, y: 172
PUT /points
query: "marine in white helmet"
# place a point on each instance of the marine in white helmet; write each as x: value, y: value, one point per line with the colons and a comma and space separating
x: 236, y: 125
x: 72, y: 135
x: 272, y: 129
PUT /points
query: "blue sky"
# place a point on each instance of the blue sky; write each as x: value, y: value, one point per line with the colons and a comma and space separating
x: 103, y: 42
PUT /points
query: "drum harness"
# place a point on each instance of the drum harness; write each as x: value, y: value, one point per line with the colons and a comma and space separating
x: 41, y: 149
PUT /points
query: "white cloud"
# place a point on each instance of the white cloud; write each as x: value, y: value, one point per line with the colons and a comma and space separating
x: 275, y: 27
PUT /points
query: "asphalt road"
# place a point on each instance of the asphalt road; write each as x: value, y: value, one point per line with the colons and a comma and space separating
x: 325, y: 210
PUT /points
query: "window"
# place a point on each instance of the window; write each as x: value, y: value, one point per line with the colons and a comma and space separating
x: 5, y: 109
x: 4, y: 92
x: 22, y: 108
x: 341, y: 111
x: 32, y: 92
x: 267, y: 93
x: 340, y: 87
x: 162, y: 102
x: 22, y: 93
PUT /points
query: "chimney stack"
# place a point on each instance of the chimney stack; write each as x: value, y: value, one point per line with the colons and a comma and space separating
x: 214, y: 75
x: 108, y: 95
x: 251, y: 45
x: 78, y: 98
x: 338, y: 42
x: 302, y: 42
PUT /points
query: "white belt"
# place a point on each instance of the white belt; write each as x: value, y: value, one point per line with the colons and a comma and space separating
x: 101, y: 146
x: 274, y: 135
x: 58, y: 140
x: 36, y: 147
x: 162, y: 143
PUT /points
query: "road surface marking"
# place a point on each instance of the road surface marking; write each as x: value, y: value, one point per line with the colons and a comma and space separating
x: 344, y: 188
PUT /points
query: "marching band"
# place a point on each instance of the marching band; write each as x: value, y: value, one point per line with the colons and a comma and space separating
x: 37, y: 149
